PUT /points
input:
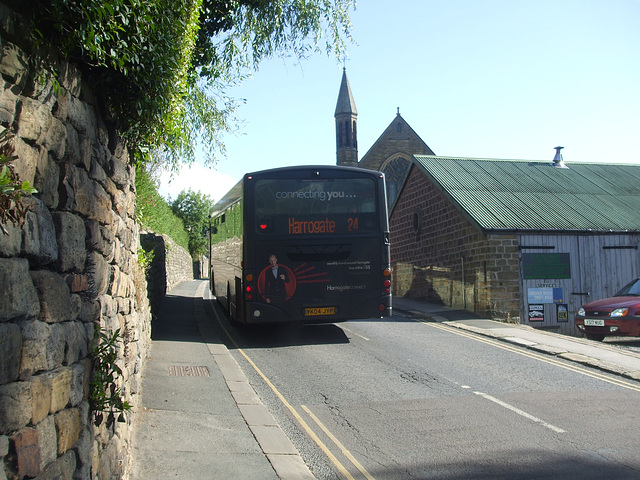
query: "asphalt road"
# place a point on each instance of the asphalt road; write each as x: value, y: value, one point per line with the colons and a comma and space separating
x: 401, y: 398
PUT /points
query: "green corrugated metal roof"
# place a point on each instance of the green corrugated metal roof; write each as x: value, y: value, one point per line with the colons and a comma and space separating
x: 534, y: 195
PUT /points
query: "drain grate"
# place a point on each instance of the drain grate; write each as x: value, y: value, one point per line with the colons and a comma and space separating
x: 188, y: 371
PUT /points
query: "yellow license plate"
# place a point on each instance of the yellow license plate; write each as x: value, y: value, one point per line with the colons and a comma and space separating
x: 315, y: 311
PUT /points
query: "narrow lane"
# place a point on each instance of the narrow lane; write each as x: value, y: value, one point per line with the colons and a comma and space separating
x: 399, y: 399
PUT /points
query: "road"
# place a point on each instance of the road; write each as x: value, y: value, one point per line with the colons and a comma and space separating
x: 401, y: 398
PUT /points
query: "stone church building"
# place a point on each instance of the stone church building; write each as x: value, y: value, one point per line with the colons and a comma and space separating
x: 501, y: 238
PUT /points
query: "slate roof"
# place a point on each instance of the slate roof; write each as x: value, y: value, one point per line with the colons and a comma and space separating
x: 345, y: 103
x: 523, y: 195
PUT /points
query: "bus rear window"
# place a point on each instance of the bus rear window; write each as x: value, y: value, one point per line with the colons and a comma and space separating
x: 316, y: 207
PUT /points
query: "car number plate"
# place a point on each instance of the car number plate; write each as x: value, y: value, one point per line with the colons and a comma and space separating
x: 316, y: 311
x: 592, y: 322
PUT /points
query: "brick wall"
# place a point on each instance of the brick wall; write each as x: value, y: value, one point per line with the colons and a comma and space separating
x: 439, y: 256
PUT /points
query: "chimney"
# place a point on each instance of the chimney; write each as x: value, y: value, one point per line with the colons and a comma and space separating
x: 558, y: 162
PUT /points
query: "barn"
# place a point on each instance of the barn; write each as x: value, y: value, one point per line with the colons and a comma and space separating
x: 515, y: 240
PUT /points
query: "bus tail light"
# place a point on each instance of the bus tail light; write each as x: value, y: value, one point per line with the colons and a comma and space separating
x: 249, y: 287
x: 382, y: 307
x: 387, y: 281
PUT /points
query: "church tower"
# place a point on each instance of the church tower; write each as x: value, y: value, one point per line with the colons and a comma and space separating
x: 346, y: 126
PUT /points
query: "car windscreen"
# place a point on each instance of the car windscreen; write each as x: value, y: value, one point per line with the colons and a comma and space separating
x: 632, y: 288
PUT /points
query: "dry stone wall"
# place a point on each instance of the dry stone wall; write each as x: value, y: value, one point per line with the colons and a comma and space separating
x: 171, y: 265
x: 68, y: 270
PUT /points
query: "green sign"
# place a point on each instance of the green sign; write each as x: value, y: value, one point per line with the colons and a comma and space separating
x: 546, y: 266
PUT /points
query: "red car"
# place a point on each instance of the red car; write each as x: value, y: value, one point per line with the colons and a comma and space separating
x: 617, y: 316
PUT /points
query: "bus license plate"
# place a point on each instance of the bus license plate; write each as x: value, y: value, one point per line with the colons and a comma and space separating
x: 316, y: 311
x: 592, y: 322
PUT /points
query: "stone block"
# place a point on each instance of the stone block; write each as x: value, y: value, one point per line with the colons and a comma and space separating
x: 27, y: 451
x: 46, y: 180
x: 60, y: 388
x: 61, y: 469
x: 20, y: 299
x: 77, y: 392
x: 68, y: 428
x: 14, y: 63
x: 4, y: 446
x: 15, y: 407
x: 54, y: 296
x: 81, y: 117
x: 55, y: 138
x: 34, y: 353
x: 85, y: 196
x: 90, y: 311
x: 70, y: 234
x: 56, y: 344
x: 34, y: 118
x: 76, y: 342
x: 83, y: 448
x: 10, y: 352
x: 47, y: 440
x: 10, y: 240
x: 99, y: 274
x: 40, y: 397
x: 39, y: 234
x: 8, y: 101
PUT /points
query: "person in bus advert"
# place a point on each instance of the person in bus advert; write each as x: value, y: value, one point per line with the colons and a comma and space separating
x: 275, y: 280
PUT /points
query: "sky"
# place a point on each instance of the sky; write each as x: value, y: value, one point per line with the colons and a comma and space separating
x: 474, y: 78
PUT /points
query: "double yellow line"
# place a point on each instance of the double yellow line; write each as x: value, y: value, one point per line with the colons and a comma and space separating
x: 536, y: 356
x: 305, y: 426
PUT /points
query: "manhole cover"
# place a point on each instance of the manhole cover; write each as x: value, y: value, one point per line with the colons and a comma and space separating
x: 188, y: 371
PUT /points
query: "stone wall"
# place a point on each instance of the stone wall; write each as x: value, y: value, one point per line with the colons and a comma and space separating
x: 69, y: 269
x: 439, y: 256
x: 171, y: 265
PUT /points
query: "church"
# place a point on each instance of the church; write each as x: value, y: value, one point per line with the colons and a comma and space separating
x: 525, y: 241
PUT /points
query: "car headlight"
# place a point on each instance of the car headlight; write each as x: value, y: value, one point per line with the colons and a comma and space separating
x: 620, y: 312
x: 581, y: 312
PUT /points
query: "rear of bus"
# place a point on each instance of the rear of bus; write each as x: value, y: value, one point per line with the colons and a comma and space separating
x: 316, y: 245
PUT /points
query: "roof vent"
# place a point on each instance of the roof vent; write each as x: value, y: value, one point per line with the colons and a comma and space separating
x: 558, y: 162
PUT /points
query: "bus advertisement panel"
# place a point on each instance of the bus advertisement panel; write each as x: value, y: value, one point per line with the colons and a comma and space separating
x: 314, y: 247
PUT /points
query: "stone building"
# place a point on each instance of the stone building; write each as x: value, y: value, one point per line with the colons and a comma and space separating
x: 503, y: 238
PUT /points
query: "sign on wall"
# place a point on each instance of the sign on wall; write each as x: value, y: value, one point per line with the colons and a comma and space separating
x: 545, y: 295
x: 536, y: 313
x: 546, y: 266
x: 562, y: 312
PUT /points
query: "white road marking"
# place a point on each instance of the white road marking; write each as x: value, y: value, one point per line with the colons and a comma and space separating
x: 520, y: 412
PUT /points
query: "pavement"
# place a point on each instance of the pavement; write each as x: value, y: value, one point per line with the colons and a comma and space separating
x: 200, y: 418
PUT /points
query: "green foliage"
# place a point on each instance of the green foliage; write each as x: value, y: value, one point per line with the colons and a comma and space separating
x: 229, y: 225
x: 164, y: 66
x: 11, y: 188
x: 193, y: 208
x: 153, y: 212
x: 105, y: 397
x: 145, y: 258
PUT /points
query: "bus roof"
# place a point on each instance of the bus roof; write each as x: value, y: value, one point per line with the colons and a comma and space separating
x: 235, y: 194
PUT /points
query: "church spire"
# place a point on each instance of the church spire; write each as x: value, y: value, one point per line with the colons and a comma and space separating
x: 346, y: 125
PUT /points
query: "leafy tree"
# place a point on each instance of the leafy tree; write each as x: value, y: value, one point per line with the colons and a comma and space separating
x: 164, y: 66
x: 193, y: 208
x: 154, y: 213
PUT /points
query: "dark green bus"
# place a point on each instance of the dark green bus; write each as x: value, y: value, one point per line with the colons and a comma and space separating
x: 302, y: 244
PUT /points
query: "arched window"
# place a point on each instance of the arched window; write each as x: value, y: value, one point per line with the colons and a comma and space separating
x: 395, y: 172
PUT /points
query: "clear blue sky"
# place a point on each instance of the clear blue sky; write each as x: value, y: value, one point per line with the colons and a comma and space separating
x: 474, y: 78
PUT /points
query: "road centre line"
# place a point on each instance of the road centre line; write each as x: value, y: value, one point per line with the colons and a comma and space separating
x: 520, y: 412
x: 289, y: 407
x: 354, y: 333
x: 533, y: 355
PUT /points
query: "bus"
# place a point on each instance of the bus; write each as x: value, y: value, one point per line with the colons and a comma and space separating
x: 303, y: 244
